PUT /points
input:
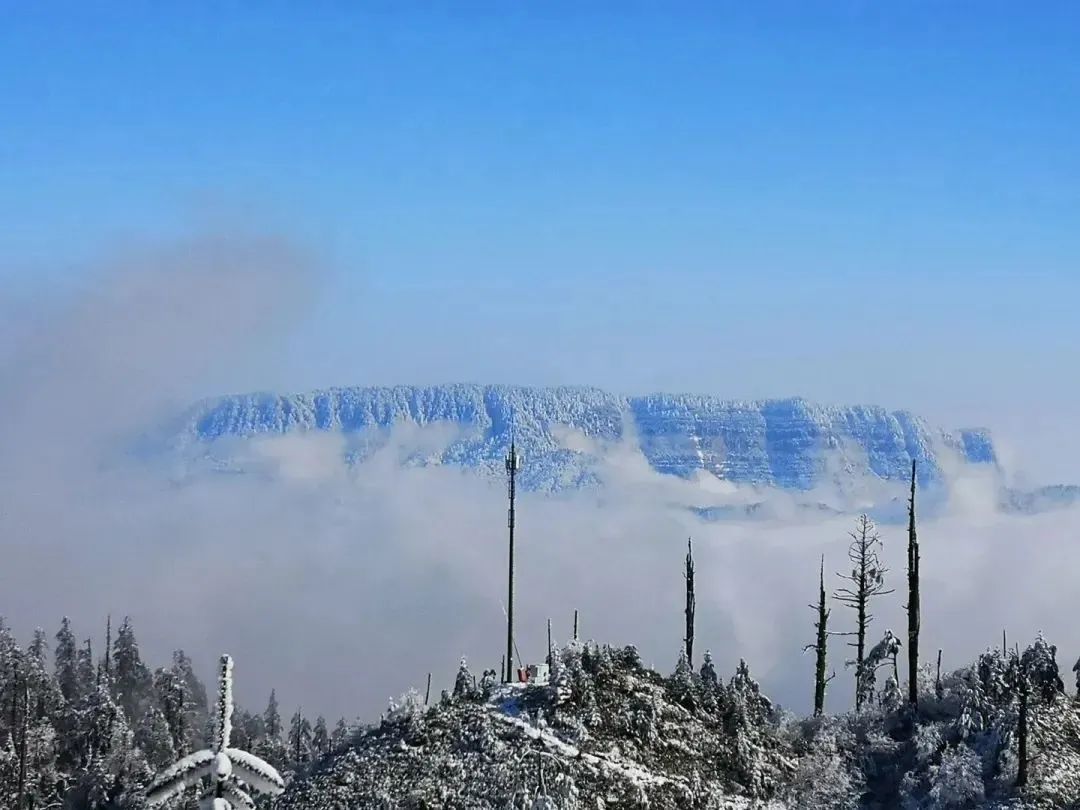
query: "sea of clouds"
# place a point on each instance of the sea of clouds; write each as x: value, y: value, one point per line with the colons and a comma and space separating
x: 343, y: 586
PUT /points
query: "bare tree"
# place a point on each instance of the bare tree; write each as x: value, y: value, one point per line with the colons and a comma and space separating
x: 691, y: 603
x: 913, y: 612
x: 867, y: 580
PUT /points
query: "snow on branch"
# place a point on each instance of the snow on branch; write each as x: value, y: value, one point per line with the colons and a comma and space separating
x: 183, y: 774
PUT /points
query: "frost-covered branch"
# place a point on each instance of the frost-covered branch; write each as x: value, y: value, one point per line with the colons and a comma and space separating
x: 226, y: 767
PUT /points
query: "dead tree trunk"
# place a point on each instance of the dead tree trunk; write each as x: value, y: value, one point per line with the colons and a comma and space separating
x: 108, y: 646
x: 690, y: 603
x: 913, y: 601
x: 820, y: 645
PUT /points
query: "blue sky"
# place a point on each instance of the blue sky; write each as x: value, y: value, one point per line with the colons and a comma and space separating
x: 850, y: 201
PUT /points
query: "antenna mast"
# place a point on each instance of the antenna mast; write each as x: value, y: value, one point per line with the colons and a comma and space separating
x: 513, y: 463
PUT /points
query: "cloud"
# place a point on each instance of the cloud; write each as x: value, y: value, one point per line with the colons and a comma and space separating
x: 341, y: 586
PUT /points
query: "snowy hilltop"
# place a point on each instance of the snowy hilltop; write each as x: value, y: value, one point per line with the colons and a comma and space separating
x: 599, y: 730
x: 607, y: 732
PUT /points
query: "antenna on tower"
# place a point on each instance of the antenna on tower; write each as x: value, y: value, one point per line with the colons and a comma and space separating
x: 513, y: 464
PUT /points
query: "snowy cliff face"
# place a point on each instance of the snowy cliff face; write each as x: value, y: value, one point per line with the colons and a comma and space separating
x: 565, y: 433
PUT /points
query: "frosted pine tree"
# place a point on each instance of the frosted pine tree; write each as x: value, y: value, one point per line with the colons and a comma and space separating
x: 84, y: 666
x: 883, y: 654
x: 133, y: 683
x: 46, y: 694
x: 231, y: 772
x: 272, y: 747
x: 340, y: 734
x: 154, y: 738
x: 300, y: 739
x: 67, y: 661
x: 272, y: 717
x: 320, y: 737
x: 708, y: 670
x: 463, y: 683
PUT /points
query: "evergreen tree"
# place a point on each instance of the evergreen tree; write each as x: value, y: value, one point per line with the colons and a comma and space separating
x: 133, y: 683
x: 320, y: 738
x: 11, y: 666
x: 272, y: 747
x: 85, y: 665
x: 106, y: 664
x: 42, y: 775
x: 682, y: 680
x: 463, y: 683
x: 154, y: 738
x: 867, y: 581
x: 241, y: 731
x: 182, y: 699
x: 251, y: 726
x: 1023, y: 683
x: 196, y: 704
x: 746, y: 716
x: 487, y: 682
x: 43, y: 686
x: 340, y: 735
x: 272, y: 717
x: 300, y: 739
x: 231, y: 772
x: 708, y: 670
x: 67, y: 672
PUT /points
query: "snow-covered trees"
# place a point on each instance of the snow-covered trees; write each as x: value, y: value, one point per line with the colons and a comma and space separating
x: 132, y: 681
x: 882, y: 654
x: 155, y: 739
x: 300, y: 739
x: 958, y: 780
x: 708, y: 670
x: 340, y: 734
x: 748, y: 714
x: 272, y: 716
x: 231, y: 772
x: 320, y: 737
x: 464, y: 683
x: 67, y: 672
x: 609, y: 728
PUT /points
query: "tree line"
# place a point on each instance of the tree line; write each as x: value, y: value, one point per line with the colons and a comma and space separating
x: 88, y: 731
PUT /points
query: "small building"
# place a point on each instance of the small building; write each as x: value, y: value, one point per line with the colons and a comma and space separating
x: 537, y: 673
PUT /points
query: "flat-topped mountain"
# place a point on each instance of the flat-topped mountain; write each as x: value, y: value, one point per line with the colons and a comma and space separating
x: 564, y: 433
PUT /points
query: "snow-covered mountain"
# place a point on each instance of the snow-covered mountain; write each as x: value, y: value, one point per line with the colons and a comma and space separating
x: 565, y: 434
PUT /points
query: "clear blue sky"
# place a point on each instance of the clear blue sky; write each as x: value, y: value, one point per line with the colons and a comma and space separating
x: 847, y: 200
